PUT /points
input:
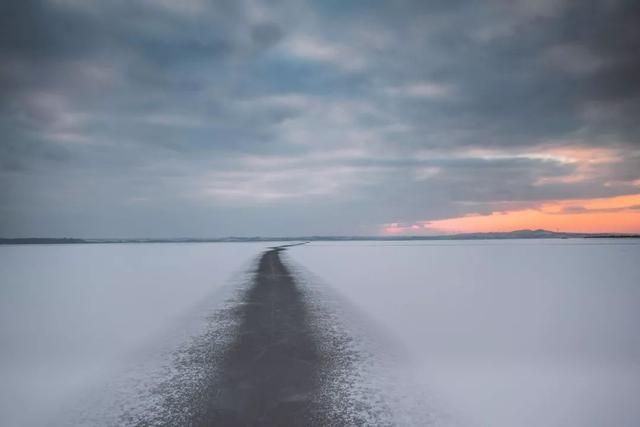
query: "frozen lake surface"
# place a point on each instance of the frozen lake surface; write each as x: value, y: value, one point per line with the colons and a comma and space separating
x: 501, y: 333
x: 507, y: 333
x: 73, y: 316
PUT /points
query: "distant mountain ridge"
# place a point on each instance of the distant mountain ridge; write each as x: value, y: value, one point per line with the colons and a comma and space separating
x: 516, y: 234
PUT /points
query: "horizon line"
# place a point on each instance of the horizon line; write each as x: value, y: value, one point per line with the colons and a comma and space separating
x: 526, y: 233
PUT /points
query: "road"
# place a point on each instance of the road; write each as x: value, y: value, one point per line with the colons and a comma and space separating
x: 271, y: 372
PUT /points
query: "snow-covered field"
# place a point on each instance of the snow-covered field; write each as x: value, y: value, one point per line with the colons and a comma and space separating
x: 72, y: 317
x: 500, y: 333
x: 505, y: 333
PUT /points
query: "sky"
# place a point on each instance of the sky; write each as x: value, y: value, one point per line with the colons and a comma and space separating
x: 211, y: 118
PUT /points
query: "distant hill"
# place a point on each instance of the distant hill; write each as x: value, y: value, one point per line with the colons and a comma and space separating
x: 40, y: 241
x: 537, y: 234
x: 516, y: 234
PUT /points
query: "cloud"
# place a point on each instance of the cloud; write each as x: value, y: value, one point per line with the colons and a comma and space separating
x: 313, y: 49
x: 267, y: 117
x: 422, y: 90
x: 619, y: 214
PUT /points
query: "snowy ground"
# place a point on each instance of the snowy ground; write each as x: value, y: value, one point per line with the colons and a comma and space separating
x: 505, y: 333
x: 74, y: 317
x: 491, y: 333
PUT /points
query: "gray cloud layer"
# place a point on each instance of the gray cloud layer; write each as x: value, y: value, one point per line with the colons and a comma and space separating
x: 211, y: 118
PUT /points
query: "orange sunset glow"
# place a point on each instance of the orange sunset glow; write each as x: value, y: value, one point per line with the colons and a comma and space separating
x: 619, y: 214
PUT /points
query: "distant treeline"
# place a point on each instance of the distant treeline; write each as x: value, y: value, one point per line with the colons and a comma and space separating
x: 518, y: 234
x: 40, y: 241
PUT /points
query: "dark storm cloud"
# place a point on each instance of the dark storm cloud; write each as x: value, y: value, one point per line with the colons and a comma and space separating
x: 609, y: 30
x: 223, y: 117
x: 525, y: 74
